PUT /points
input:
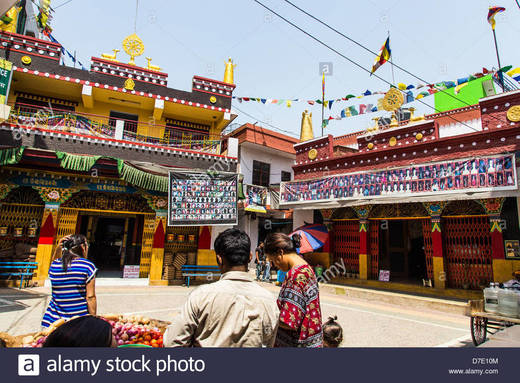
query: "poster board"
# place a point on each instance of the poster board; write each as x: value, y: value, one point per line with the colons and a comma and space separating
x: 196, y: 198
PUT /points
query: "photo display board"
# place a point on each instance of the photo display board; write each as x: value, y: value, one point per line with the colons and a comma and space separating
x: 488, y: 173
x: 202, y: 199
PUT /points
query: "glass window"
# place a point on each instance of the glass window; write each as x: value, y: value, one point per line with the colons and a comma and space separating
x: 261, y: 172
x: 286, y: 176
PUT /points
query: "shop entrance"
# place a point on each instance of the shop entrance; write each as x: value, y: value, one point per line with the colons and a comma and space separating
x: 114, y: 241
x: 402, y: 250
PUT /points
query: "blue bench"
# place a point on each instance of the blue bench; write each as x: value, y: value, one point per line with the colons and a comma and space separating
x: 189, y: 271
x: 18, y: 269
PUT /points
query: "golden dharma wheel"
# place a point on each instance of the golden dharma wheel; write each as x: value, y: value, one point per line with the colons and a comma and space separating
x: 393, y: 100
x: 370, y: 146
x: 419, y: 136
x: 513, y: 113
x: 393, y: 141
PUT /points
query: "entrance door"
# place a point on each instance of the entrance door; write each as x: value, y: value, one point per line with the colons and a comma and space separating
x: 403, y: 252
x: 107, y: 247
x: 397, y: 249
x: 111, y: 241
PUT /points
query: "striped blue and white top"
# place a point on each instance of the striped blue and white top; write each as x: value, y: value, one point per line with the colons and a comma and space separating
x: 69, y: 290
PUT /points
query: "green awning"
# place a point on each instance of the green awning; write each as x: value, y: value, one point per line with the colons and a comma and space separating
x: 141, y: 178
x: 11, y: 156
x: 77, y: 162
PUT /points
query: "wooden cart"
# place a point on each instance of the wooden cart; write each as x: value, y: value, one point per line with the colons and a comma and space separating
x: 482, y: 323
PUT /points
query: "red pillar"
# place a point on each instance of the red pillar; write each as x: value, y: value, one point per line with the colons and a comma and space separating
x: 439, y: 275
x: 497, y: 239
x: 437, y: 237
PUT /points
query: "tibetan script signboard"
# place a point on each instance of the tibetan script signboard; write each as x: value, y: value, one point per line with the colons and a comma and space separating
x: 490, y: 173
x: 202, y: 199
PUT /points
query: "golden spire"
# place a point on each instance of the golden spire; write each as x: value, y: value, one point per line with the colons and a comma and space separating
x: 306, y: 131
x: 228, y: 72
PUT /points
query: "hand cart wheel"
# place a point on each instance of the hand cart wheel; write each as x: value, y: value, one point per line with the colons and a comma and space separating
x: 478, y: 329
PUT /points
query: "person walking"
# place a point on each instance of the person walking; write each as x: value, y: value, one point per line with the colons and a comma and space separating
x: 73, y: 279
x: 232, y: 312
x: 260, y: 261
x: 267, y: 271
x: 299, y: 323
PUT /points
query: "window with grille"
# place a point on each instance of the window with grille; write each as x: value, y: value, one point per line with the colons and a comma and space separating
x: 261, y: 172
x: 186, y: 133
x: 286, y: 176
x: 130, y: 128
x: 47, y: 106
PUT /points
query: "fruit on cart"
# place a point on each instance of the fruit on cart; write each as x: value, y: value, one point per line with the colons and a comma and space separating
x: 136, y: 329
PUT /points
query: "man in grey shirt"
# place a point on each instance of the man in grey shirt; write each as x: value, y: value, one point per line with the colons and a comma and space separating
x: 233, y: 312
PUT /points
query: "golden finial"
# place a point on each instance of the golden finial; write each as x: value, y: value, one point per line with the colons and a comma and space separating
x: 151, y: 66
x: 111, y: 57
x: 393, y: 122
x: 414, y: 118
x: 374, y: 127
x: 133, y: 46
x: 306, y: 129
x: 228, y: 72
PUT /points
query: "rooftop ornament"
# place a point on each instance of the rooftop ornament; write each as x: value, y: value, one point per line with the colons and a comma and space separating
x: 133, y: 47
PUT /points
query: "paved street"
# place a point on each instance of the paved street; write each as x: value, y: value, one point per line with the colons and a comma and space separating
x: 365, y: 324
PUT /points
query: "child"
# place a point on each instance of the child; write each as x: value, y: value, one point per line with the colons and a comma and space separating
x: 332, y: 333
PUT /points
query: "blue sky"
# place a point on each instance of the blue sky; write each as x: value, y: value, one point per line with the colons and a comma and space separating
x: 436, y: 40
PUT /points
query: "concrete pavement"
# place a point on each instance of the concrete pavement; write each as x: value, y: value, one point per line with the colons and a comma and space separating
x: 365, y: 323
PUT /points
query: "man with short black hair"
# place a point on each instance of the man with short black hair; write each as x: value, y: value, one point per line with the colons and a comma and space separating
x: 233, y: 312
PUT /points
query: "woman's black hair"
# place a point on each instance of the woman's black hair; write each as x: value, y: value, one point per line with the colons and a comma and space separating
x: 279, y: 241
x: 85, y: 331
x: 71, y: 248
x: 332, y: 332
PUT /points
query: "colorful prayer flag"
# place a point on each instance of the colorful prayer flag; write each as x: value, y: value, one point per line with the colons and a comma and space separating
x: 492, y: 13
x: 384, y: 55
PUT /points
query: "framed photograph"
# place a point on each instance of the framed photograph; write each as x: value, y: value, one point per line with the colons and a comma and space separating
x: 512, y: 249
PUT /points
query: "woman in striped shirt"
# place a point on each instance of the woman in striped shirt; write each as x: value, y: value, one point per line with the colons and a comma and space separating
x: 73, y: 282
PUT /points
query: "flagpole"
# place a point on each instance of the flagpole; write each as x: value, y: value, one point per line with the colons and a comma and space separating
x: 322, y: 102
x: 500, y: 77
x: 391, y: 63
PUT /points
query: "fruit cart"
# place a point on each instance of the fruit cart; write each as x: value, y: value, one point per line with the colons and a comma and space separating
x: 483, y: 323
x: 129, y: 331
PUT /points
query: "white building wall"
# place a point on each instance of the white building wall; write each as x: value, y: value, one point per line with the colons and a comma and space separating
x: 277, y: 162
x: 456, y: 128
x: 302, y: 216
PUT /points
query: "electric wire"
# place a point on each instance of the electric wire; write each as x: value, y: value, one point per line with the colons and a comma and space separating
x: 355, y: 63
x: 263, y: 122
x: 372, y: 52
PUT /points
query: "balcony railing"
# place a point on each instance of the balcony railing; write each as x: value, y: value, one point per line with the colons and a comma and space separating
x: 105, y: 127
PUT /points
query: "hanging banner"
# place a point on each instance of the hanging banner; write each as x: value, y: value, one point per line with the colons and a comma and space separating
x: 478, y: 174
x: 197, y: 199
x: 256, y: 199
